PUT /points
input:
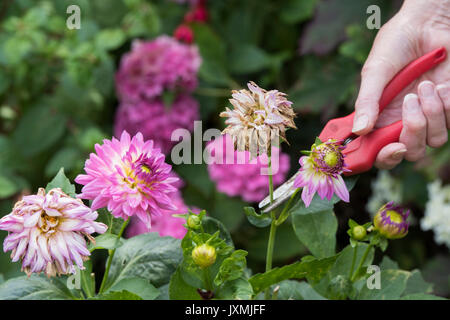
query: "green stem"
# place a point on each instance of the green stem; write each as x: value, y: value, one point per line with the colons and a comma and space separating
x: 363, y: 259
x: 111, y: 256
x: 281, y: 217
x: 273, y: 229
x: 207, y: 279
x: 355, y: 250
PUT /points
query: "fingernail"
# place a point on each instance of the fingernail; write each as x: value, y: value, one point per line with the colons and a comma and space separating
x: 411, y: 103
x: 426, y: 89
x: 360, y: 123
x: 443, y: 90
x: 398, y: 155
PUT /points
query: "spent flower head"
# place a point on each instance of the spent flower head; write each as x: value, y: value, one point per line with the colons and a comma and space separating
x: 259, y: 117
x: 321, y: 171
x: 391, y: 221
x: 47, y: 232
x: 129, y: 177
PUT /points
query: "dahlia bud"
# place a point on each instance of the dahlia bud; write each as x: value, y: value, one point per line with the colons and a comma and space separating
x: 390, y: 221
x: 359, y: 232
x: 193, y: 221
x: 204, y: 255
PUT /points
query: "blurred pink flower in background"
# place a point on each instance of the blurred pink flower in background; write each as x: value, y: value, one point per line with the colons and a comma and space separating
x: 165, y: 224
x: 157, y: 65
x: 245, y: 179
x: 156, y: 121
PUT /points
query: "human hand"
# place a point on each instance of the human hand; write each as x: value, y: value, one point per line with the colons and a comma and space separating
x: 418, y: 28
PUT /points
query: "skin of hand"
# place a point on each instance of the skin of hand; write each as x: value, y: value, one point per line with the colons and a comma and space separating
x: 418, y: 28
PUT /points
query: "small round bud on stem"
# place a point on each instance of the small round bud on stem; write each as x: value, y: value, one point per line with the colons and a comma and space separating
x: 194, y: 221
x: 359, y: 232
x: 204, y: 255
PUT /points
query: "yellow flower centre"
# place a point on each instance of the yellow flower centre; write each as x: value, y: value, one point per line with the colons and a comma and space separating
x: 331, y: 159
x: 47, y: 223
x: 394, y: 216
x: 146, y: 169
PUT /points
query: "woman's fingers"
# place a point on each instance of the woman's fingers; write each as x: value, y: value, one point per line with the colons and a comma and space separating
x: 433, y: 110
x: 390, y: 156
x: 444, y: 92
x: 414, y: 131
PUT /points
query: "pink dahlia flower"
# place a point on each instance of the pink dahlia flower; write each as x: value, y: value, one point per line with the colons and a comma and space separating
x: 242, y: 177
x: 129, y: 177
x: 155, y: 121
x: 321, y: 172
x: 47, y: 232
x: 165, y: 224
x: 154, y: 66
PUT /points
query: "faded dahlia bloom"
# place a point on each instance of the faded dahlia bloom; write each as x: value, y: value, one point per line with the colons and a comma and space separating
x: 156, y: 121
x: 259, y: 117
x: 47, y: 232
x: 237, y: 175
x: 390, y: 221
x: 321, y: 172
x: 154, y: 66
x: 129, y: 177
x: 165, y: 224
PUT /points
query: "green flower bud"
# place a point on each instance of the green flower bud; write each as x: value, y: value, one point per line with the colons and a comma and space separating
x: 359, y: 232
x: 194, y: 221
x: 390, y: 221
x: 204, y: 255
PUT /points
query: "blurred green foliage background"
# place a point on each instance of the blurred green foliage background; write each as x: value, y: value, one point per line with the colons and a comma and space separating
x: 57, y: 99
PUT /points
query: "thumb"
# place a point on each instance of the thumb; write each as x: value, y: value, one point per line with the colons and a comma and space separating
x: 387, y: 57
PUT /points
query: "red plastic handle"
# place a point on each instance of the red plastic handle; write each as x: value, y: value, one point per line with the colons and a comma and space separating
x: 362, y: 152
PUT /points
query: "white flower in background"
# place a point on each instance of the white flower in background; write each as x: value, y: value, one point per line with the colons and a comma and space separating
x: 437, y: 212
x: 385, y: 188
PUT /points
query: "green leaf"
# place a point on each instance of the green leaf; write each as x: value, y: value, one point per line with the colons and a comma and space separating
x: 247, y: 58
x: 388, y: 263
x: 393, y: 284
x: 110, y: 39
x: 87, y: 279
x: 239, y: 289
x: 258, y: 220
x: 34, y: 288
x: 324, y: 85
x: 231, y: 268
x: 295, y: 290
x: 117, y: 295
x: 147, y: 256
x: 138, y: 286
x: 296, y: 11
x: 65, y: 158
x: 47, y: 127
x: 105, y: 241
x: 314, y: 269
x: 213, y: 69
x: 228, y: 211
x: 61, y: 181
x: 421, y: 296
x: 315, y: 227
x: 180, y: 290
x: 344, y: 260
x: 416, y: 284
x: 211, y: 225
x: 7, y: 187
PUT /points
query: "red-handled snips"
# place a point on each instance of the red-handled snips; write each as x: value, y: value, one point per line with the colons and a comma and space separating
x: 361, y: 152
